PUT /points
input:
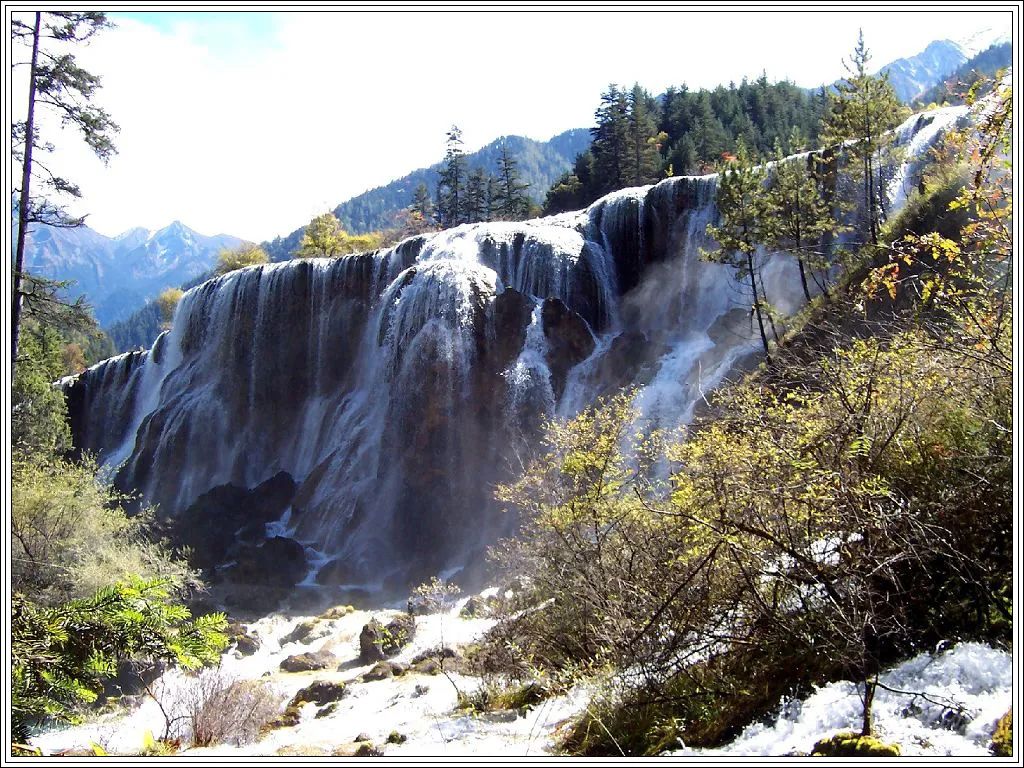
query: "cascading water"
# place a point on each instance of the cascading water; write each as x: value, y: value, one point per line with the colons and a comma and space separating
x: 397, y: 387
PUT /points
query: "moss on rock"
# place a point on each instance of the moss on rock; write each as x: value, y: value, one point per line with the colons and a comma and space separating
x: 850, y: 744
x: 1002, y: 737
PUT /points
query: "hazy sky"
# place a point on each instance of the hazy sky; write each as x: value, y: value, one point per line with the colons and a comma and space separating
x: 252, y: 123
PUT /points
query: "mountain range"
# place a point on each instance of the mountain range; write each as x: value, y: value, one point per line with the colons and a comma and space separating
x: 912, y: 77
x: 119, y: 274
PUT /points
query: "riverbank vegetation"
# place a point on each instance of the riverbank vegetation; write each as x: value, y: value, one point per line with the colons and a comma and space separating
x: 845, y: 506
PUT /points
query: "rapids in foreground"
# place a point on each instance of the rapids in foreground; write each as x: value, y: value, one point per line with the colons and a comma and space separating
x: 955, y: 696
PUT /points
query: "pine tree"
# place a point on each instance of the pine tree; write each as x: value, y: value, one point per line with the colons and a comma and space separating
x: 55, y: 83
x: 512, y: 200
x: 644, y: 139
x: 610, y: 147
x: 451, y: 188
x: 476, y: 204
x: 422, y: 205
x: 493, y: 198
x: 863, y: 110
x: 740, y: 230
x: 797, y: 214
x: 60, y: 654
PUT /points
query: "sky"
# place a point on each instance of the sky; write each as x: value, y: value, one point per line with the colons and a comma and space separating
x: 252, y: 123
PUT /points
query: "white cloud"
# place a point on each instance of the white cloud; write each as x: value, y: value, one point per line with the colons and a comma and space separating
x: 255, y: 135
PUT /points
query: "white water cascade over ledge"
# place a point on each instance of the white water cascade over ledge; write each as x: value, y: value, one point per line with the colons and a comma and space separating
x: 385, y: 393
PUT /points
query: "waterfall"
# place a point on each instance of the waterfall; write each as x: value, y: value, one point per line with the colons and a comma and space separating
x: 397, y: 387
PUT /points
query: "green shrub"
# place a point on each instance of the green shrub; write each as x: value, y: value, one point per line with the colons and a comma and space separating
x: 71, y: 536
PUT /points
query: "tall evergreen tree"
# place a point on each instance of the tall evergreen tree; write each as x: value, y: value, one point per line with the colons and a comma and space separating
x: 493, y: 198
x: 864, y: 108
x: 610, y: 147
x: 451, y: 188
x: 644, y: 139
x: 512, y: 200
x: 55, y: 83
x: 475, y: 201
x: 422, y: 205
x: 740, y: 229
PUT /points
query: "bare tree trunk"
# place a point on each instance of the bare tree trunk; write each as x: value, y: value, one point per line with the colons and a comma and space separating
x: 26, y: 178
x: 803, y: 277
x: 870, y: 685
x: 757, y: 307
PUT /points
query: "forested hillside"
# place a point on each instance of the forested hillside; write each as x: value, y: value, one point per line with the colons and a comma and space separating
x: 540, y: 163
x: 639, y: 139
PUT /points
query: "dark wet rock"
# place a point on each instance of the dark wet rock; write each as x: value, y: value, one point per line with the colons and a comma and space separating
x: 511, y: 312
x: 569, y: 340
x: 251, y: 600
x: 210, y: 524
x: 437, y: 660
x: 132, y: 678
x: 476, y: 607
x: 444, y: 652
x: 367, y: 749
x: 202, y: 606
x: 246, y: 643
x: 306, y: 600
x: 279, y: 562
x: 301, y: 631
x: 476, y: 572
x: 337, y: 612
x: 426, y: 667
x: 307, y: 662
x: 321, y: 692
x: 338, y: 571
x: 382, y: 670
x: 628, y: 356
x: 377, y: 641
x: 500, y: 716
x: 371, y: 642
x: 327, y: 711
x: 95, y: 425
x: 287, y: 719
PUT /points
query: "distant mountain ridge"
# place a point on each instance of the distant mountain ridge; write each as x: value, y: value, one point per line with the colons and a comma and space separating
x: 117, y: 275
x: 952, y: 86
x: 912, y: 76
x: 540, y: 163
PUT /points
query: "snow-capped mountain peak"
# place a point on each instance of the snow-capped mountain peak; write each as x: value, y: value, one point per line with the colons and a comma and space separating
x: 974, y: 43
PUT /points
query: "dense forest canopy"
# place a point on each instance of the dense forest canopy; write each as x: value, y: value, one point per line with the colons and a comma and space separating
x: 639, y: 139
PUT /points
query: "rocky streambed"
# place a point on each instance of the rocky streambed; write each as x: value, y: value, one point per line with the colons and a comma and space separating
x: 349, y: 682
